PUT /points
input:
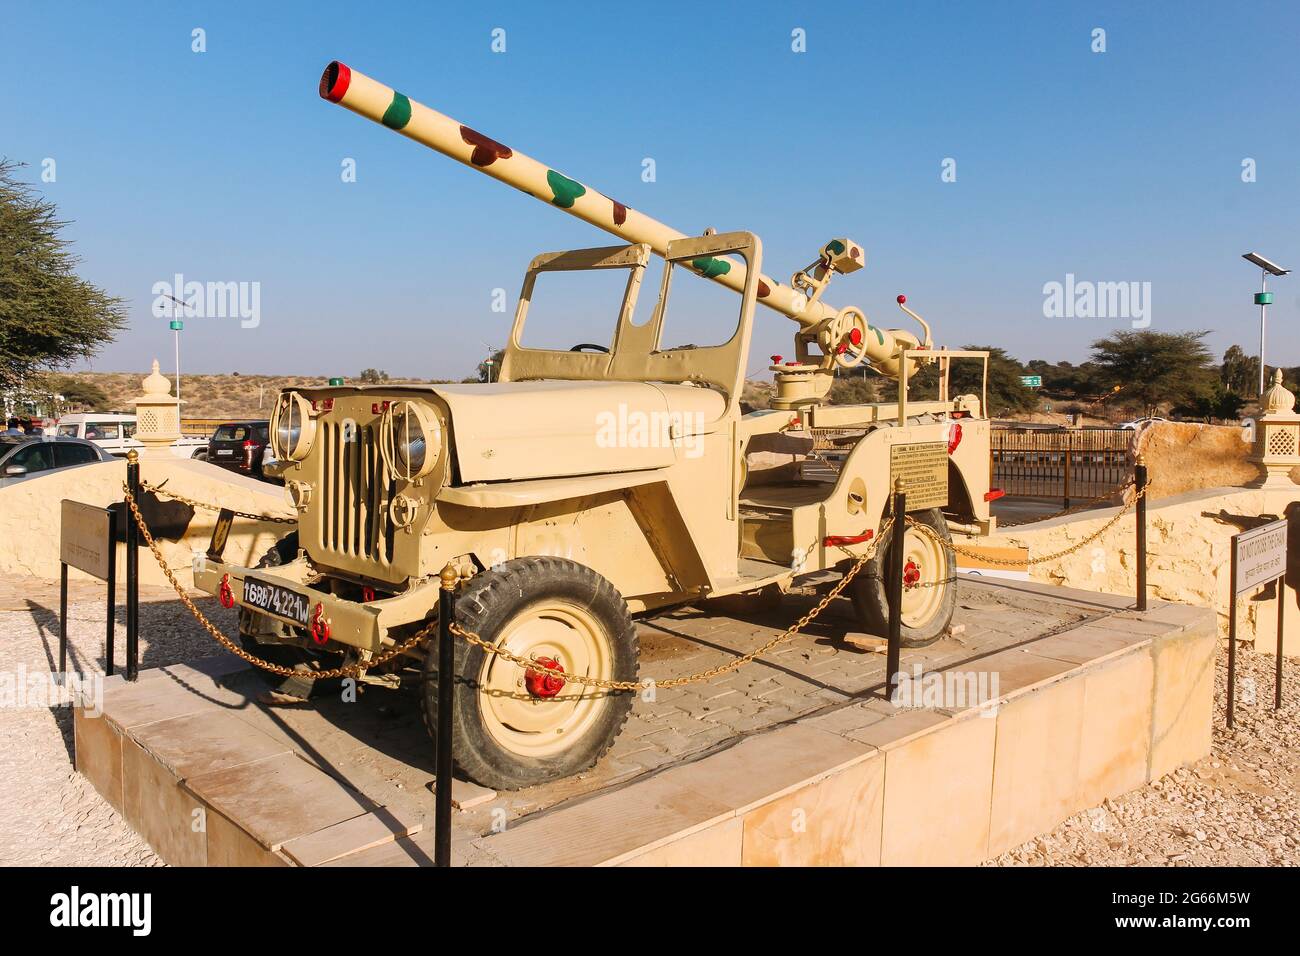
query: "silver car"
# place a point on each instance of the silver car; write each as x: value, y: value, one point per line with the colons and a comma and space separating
x: 32, y: 455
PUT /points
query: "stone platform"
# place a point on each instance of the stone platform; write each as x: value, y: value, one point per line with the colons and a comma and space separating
x: 794, y: 759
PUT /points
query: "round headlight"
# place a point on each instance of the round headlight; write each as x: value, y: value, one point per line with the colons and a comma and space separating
x: 293, y: 427
x: 412, y: 440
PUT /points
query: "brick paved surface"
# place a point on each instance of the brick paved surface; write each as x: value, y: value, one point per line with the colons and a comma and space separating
x: 49, y: 815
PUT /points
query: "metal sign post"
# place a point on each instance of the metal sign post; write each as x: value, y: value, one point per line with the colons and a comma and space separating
x: 1140, y: 487
x: 446, y: 690
x: 894, y: 586
x: 1258, y: 558
x: 88, y: 542
x: 132, y: 569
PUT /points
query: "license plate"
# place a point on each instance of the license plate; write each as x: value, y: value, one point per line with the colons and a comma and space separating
x: 277, y: 600
x: 225, y: 451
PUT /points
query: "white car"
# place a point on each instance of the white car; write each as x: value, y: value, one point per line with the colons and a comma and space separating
x: 113, y: 431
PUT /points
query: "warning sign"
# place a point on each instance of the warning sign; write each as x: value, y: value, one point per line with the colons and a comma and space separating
x: 923, y: 466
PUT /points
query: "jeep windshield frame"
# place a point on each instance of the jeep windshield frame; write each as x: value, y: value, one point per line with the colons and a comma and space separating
x: 635, y: 355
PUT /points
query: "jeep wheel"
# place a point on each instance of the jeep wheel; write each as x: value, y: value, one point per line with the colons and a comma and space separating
x: 929, y: 593
x: 513, y: 728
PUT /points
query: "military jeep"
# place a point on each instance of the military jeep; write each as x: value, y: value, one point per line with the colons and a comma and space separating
x: 589, y: 485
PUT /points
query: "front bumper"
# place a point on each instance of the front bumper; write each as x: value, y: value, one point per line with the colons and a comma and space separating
x: 353, y: 623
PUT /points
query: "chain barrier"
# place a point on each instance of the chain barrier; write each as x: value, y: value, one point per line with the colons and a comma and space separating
x: 195, y: 503
x: 1073, y: 509
x: 353, y: 670
x: 697, y: 678
x: 349, y: 670
x: 1128, y: 505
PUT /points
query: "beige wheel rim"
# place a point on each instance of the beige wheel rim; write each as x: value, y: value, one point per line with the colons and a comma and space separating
x: 540, y: 727
x: 925, y: 573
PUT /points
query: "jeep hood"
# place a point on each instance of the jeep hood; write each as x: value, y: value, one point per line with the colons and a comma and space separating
x: 520, y: 430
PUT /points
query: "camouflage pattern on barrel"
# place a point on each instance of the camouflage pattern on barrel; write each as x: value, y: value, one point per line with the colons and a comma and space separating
x: 382, y: 104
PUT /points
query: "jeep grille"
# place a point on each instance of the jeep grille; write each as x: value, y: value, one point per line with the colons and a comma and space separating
x: 353, y: 521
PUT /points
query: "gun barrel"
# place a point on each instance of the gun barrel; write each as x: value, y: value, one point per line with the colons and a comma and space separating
x: 382, y: 104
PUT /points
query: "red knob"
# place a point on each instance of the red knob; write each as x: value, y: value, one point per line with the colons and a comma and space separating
x: 776, y: 359
x: 855, y: 336
x: 902, y: 299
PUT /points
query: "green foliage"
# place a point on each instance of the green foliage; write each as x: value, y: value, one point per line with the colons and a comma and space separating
x: 1239, y: 372
x: 1218, y: 404
x: 78, y: 393
x: 49, y: 317
x: 852, y: 389
x: 372, y: 376
x: 1155, y: 368
x: 486, y: 372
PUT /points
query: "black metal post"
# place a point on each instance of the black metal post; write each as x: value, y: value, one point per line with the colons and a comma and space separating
x: 894, y: 587
x: 1232, y: 638
x: 446, y: 692
x: 1140, y: 486
x: 132, y: 568
x: 63, y: 621
x: 1277, y: 677
x: 1069, y: 454
x: 112, y: 594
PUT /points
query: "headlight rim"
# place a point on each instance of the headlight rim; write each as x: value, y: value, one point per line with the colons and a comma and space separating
x: 430, y: 424
x: 293, y: 401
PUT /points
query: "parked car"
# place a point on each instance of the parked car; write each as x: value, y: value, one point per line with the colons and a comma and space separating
x: 240, y: 446
x: 33, y: 455
x: 114, y: 432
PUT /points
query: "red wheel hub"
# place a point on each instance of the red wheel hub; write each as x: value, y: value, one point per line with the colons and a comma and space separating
x: 544, y: 685
x: 911, y: 575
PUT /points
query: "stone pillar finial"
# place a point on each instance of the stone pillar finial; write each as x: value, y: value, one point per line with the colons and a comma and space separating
x: 157, y: 414
x: 1277, y: 437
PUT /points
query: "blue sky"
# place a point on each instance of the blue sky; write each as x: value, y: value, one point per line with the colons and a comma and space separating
x: 225, y: 165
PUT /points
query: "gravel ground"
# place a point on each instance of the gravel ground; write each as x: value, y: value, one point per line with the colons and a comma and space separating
x: 49, y: 814
x: 1239, y: 806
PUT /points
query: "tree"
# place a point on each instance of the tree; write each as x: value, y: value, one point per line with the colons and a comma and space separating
x: 373, y: 376
x: 1155, y: 368
x: 78, y: 392
x: 490, y: 369
x: 1239, y: 372
x: 49, y: 317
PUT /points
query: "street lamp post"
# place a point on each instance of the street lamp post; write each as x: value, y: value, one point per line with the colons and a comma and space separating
x: 176, y: 325
x: 1263, y: 298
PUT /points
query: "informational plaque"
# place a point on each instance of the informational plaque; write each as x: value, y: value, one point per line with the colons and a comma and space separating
x: 85, y: 538
x: 923, y: 466
x: 1260, y: 555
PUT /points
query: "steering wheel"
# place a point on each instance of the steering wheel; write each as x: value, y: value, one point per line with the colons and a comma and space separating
x: 846, y: 338
x: 588, y: 346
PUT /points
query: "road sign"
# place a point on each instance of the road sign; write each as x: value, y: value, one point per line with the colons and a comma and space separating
x: 1260, y: 555
x: 1031, y: 381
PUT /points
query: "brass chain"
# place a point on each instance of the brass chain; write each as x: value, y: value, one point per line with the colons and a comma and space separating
x: 706, y: 675
x: 349, y: 670
x: 195, y: 503
x: 1040, y: 559
x: 528, y: 664
x: 1073, y: 509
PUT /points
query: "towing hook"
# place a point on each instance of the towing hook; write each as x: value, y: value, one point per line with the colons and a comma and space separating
x: 320, y: 626
x: 224, y: 594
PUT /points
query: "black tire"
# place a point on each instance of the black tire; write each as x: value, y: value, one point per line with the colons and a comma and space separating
x: 867, y: 590
x: 493, y: 601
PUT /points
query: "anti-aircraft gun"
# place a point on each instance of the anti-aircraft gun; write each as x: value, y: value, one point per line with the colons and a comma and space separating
x: 588, y: 485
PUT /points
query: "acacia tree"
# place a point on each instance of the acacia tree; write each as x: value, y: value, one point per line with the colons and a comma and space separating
x: 49, y: 317
x: 1239, y: 372
x: 1156, y: 368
